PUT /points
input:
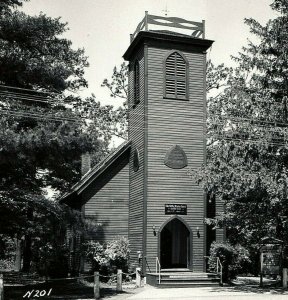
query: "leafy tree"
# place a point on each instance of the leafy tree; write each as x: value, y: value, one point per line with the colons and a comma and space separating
x: 34, y: 55
x: 235, y: 259
x: 247, y: 137
x: 118, y: 88
x: 108, y: 257
x: 41, y: 141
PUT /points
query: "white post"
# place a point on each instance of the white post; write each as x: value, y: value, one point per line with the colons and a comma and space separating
x: 285, y: 278
x: 96, y: 285
x: 203, y: 24
x: 1, y: 287
x: 138, y: 277
x: 119, y: 281
x: 146, y: 20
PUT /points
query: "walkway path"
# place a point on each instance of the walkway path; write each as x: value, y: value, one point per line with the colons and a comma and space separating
x: 207, y: 293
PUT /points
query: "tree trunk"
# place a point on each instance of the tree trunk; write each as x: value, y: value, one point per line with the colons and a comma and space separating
x: 17, y: 254
x: 27, y: 251
x: 27, y: 254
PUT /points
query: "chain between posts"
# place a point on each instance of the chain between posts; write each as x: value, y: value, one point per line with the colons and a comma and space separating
x: 96, y: 277
x: 129, y: 274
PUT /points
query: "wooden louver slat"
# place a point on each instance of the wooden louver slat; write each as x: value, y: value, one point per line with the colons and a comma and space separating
x: 175, y: 76
x: 136, y: 82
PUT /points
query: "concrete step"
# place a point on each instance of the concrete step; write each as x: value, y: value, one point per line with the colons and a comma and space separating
x: 187, y: 274
x: 188, y: 279
x: 176, y: 270
x: 186, y: 284
x: 180, y: 279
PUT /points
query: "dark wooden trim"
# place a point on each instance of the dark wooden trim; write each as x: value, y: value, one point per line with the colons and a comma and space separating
x: 177, y: 41
x: 190, y: 239
x: 145, y: 153
x: 168, y: 45
x: 175, y: 98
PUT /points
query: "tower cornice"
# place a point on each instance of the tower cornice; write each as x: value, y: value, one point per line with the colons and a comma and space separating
x: 165, y: 39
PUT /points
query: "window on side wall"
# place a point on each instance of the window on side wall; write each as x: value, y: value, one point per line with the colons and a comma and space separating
x: 136, y: 83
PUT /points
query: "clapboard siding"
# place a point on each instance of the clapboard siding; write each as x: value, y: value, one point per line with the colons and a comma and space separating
x: 107, y: 201
x: 171, y: 122
x: 136, y: 135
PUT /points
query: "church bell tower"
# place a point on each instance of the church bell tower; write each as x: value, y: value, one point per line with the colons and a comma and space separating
x: 167, y: 116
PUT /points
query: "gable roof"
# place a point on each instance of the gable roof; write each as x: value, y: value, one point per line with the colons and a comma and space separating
x: 95, y: 172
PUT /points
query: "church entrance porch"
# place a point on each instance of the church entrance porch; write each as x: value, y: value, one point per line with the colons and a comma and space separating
x: 175, y: 245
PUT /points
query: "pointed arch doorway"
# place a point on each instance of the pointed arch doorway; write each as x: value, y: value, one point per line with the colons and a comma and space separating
x: 175, y: 244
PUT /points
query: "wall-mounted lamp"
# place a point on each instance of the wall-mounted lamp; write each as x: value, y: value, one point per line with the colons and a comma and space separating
x: 198, y: 232
x: 154, y: 230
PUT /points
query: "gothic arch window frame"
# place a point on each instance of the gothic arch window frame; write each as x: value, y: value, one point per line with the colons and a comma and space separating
x: 136, y: 82
x: 191, y: 237
x: 176, y: 78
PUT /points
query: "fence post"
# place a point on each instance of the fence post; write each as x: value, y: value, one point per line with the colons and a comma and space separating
x: 261, y: 280
x: 138, y: 277
x: 1, y: 287
x: 96, y: 285
x: 119, y: 281
x: 285, y: 278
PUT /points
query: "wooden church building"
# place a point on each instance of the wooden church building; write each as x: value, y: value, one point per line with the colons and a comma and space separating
x: 142, y: 190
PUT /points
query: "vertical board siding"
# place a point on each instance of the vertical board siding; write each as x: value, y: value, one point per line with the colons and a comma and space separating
x: 108, y: 198
x: 136, y: 185
x: 171, y: 122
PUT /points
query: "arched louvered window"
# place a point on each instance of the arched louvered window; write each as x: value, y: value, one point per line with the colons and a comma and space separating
x: 136, y: 82
x: 176, y: 72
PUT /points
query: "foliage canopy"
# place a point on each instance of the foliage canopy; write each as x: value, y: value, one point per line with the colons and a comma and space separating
x: 247, y: 137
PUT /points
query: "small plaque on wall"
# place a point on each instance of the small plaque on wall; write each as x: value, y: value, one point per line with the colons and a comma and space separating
x: 175, y: 158
x: 175, y: 209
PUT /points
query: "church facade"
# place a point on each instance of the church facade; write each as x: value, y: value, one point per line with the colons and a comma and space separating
x: 142, y: 190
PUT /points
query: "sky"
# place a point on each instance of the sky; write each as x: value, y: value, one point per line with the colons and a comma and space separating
x: 103, y: 28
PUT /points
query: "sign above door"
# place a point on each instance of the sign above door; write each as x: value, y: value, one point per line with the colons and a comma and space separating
x: 175, y: 209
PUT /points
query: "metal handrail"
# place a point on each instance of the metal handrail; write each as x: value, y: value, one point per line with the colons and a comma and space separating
x: 158, y: 265
x: 219, y: 267
x: 147, y: 263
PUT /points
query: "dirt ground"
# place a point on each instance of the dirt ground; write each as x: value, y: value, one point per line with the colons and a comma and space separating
x: 68, y: 290
x: 84, y: 290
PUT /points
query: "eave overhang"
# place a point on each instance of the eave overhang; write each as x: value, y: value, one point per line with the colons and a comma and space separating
x: 153, y: 36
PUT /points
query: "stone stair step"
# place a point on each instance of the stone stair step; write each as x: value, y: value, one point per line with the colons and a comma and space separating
x: 190, y: 279
x: 176, y: 270
x: 183, y: 279
x: 186, y: 284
